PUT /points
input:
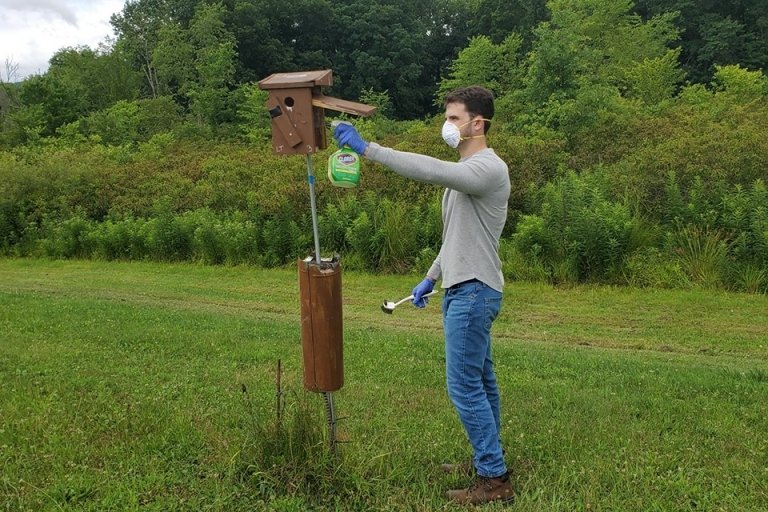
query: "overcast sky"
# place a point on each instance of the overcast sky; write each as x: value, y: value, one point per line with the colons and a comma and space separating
x: 31, y: 31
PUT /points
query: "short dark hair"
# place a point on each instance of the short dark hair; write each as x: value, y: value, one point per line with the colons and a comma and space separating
x: 477, y: 100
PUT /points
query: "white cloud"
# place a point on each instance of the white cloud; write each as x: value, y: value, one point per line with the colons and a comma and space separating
x: 31, y: 31
x: 50, y: 9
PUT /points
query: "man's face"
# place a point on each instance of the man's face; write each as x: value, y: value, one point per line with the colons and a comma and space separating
x: 456, y: 113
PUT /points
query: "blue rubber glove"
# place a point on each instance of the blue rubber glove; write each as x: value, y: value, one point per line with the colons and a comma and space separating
x: 346, y: 135
x: 422, y: 289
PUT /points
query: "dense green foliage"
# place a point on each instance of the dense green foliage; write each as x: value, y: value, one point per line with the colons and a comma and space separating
x: 201, y: 51
x: 715, y: 33
x: 637, y: 152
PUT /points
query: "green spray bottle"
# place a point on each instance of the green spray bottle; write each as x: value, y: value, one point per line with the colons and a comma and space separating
x: 344, y: 167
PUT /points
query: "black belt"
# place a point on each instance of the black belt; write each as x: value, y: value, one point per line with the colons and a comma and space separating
x: 464, y: 282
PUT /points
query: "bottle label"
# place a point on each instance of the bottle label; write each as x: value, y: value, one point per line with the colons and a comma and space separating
x: 344, y: 168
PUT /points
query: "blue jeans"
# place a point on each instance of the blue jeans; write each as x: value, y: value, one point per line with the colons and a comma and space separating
x: 469, y: 309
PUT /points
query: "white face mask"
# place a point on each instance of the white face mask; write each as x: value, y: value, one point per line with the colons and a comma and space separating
x: 452, y: 134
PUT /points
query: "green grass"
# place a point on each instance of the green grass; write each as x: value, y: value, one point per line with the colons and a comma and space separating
x: 138, y: 386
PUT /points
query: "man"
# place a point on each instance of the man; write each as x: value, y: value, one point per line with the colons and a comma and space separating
x: 474, y: 211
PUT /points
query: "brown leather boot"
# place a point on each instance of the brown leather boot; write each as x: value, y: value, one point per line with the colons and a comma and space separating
x: 484, y: 490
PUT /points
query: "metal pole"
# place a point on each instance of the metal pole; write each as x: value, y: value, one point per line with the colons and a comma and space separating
x: 330, y: 413
x: 313, y: 205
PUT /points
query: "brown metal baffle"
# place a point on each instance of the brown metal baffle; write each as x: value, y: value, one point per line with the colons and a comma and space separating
x: 321, y: 324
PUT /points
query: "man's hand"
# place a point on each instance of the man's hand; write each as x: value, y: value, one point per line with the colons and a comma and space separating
x: 346, y: 135
x: 421, y: 289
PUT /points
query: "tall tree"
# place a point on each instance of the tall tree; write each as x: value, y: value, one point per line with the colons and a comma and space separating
x: 9, y: 97
x: 79, y: 81
x: 588, y: 77
x: 173, y: 60
x: 138, y: 27
x: 383, y: 47
x: 449, y: 27
x: 214, y: 64
x: 399, y: 46
x: 593, y: 42
x: 716, y: 33
x: 496, y: 67
x: 260, y: 28
x: 498, y: 18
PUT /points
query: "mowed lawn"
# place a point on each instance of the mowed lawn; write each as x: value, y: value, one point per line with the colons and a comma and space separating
x: 142, y: 386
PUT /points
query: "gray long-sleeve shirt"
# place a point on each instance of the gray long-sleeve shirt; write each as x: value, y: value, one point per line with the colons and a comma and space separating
x: 474, y: 210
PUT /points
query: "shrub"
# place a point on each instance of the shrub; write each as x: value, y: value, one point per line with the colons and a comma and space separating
x: 284, y: 240
x: 424, y: 260
x: 168, y: 237
x: 578, y: 233
x: 207, y: 241
x: 8, y: 227
x: 701, y: 254
x: 239, y: 241
x: 361, y: 235
x: 519, y: 267
x: 69, y: 238
x: 224, y: 240
x: 119, y: 239
x: 335, y: 221
x: 396, y: 238
x: 749, y: 278
x: 650, y: 267
x: 428, y: 222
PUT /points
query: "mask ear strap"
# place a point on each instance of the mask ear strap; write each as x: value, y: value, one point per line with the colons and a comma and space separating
x: 476, y: 136
x: 484, y: 120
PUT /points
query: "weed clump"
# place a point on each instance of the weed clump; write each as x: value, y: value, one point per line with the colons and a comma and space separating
x: 286, y: 451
